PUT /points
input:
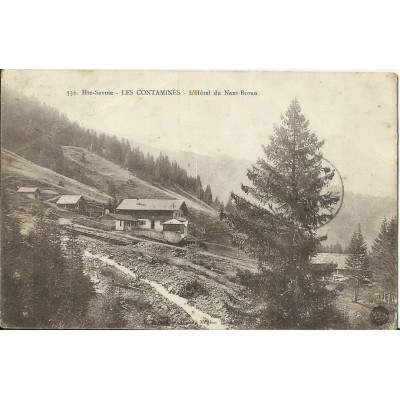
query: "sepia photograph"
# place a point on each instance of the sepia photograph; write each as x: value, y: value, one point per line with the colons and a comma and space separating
x: 199, y: 200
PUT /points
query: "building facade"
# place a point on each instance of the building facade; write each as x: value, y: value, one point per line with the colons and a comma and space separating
x: 120, y: 222
x: 153, y: 212
x: 175, y: 230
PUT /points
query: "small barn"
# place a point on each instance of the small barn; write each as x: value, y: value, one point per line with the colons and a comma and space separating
x: 30, y: 192
x: 75, y: 203
x: 120, y: 222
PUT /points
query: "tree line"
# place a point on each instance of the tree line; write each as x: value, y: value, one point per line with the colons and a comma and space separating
x: 37, y: 131
x: 379, y: 265
x: 336, y: 248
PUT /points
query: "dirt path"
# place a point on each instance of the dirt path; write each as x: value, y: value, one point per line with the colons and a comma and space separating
x: 201, y: 318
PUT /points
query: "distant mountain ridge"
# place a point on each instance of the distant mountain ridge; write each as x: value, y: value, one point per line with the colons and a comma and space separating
x: 366, y: 210
x: 225, y: 174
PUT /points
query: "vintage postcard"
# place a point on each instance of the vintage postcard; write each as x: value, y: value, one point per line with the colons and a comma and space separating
x: 198, y: 200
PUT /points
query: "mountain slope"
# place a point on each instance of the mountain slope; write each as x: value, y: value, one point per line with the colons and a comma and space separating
x: 17, y: 171
x: 88, y: 166
x: 37, y: 132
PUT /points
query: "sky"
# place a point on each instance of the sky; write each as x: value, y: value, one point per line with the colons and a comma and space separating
x: 355, y: 113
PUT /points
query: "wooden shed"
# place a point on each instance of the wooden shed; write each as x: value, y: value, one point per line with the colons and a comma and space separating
x: 75, y: 203
x: 30, y: 192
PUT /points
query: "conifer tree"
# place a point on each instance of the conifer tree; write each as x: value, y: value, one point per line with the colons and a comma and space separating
x: 75, y: 287
x: 283, y: 207
x: 57, y: 290
x: 357, y: 261
x: 199, y: 188
x: 288, y: 190
x: 384, y: 257
x: 216, y: 204
x: 201, y: 194
x: 46, y: 264
x: 12, y: 266
x: 113, y: 193
x: 230, y: 208
x: 208, y: 195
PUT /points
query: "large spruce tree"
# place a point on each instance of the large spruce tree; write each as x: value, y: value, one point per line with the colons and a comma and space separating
x: 284, y: 206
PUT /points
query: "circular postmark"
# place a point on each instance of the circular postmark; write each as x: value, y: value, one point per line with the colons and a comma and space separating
x: 334, y: 187
x: 379, y: 315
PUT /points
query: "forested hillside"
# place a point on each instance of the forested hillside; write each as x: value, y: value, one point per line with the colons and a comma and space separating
x: 36, y: 132
x: 222, y: 172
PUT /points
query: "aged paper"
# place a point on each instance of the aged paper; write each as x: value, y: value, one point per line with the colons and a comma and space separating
x: 198, y: 200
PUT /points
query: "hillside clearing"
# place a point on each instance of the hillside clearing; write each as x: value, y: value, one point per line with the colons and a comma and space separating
x: 17, y: 171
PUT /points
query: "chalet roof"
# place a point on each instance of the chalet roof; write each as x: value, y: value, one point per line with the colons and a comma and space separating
x: 69, y: 199
x: 151, y: 204
x: 173, y: 222
x: 28, y: 190
x: 325, y: 258
x: 121, y: 217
